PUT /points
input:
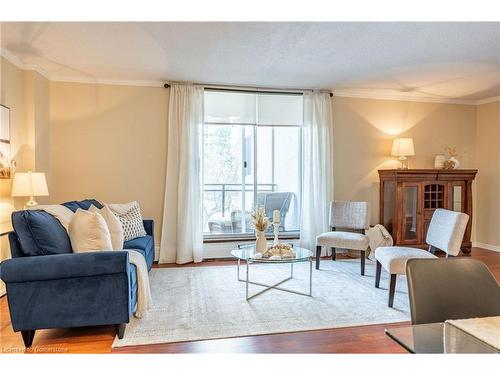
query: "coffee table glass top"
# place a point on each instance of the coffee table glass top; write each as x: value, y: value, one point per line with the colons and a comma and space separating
x: 246, y: 253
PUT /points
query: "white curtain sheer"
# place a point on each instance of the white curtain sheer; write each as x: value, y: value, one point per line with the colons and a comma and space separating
x: 316, y: 167
x: 182, y: 230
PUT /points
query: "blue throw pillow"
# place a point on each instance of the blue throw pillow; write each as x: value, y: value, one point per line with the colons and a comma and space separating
x: 40, y: 233
x: 84, y: 204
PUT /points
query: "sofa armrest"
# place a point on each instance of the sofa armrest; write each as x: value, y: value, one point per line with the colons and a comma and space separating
x: 63, y: 266
x: 149, y: 226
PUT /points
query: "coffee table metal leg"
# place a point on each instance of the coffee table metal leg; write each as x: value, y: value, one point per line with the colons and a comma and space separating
x: 247, y: 281
x: 310, y: 276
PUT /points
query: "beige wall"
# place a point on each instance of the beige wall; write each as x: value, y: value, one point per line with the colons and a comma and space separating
x: 363, y: 133
x: 488, y: 182
x: 11, y: 95
x: 109, y: 143
x: 26, y: 93
x: 37, y: 99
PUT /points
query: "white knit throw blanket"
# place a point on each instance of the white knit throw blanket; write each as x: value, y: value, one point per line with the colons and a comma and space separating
x: 144, y: 300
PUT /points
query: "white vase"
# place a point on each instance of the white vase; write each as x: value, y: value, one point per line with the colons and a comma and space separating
x: 261, y: 243
x: 455, y: 161
x: 439, y: 161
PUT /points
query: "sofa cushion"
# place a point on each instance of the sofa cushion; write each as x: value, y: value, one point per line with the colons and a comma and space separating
x: 144, y: 245
x: 84, y: 204
x: 40, y: 233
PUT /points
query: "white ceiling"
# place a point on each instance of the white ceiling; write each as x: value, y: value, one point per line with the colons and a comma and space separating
x: 458, y: 61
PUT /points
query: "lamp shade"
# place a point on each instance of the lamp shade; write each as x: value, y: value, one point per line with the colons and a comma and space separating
x: 29, y: 184
x: 403, y: 147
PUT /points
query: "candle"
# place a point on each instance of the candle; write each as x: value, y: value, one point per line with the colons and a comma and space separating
x: 276, y: 216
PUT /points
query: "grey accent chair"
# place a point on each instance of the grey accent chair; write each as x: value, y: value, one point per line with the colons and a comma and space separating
x: 352, y: 216
x: 442, y: 289
x: 446, y: 231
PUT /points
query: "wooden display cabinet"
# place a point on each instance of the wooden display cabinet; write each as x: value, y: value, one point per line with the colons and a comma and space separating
x: 408, y: 198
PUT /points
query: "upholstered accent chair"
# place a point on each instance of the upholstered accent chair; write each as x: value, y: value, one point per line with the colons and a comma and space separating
x: 351, y: 216
x: 446, y: 231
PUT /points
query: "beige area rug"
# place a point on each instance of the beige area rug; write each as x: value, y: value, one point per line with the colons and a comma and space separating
x: 199, y: 303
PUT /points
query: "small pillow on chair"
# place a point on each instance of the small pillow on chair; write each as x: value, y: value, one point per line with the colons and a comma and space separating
x: 88, y: 231
x: 114, y: 226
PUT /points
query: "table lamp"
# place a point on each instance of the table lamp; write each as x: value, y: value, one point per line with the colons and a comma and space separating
x: 29, y: 184
x: 403, y: 147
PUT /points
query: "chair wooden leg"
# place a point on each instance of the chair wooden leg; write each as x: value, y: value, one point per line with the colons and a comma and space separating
x: 392, y: 289
x: 363, y: 258
x: 318, y: 255
x: 377, y: 274
x: 120, y: 330
x: 334, y: 253
x: 28, y: 337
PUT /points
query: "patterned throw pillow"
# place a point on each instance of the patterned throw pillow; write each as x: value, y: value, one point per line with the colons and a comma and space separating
x: 131, y: 221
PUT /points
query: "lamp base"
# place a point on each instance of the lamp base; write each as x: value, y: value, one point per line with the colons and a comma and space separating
x: 31, y: 203
x: 403, y: 162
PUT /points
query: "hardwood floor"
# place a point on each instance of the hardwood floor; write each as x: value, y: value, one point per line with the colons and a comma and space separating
x: 360, y: 339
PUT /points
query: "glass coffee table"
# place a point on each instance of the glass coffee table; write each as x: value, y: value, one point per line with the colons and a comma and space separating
x: 245, y: 253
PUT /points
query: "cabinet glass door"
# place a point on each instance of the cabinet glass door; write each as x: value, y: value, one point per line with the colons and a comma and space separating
x: 457, y: 202
x: 388, y: 204
x: 410, y: 213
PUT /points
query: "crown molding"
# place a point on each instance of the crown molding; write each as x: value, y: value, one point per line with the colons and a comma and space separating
x: 488, y: 100
x: 15, y: 60
x: 118, y: 82
x: 361, y: 94
x: 375, y: 94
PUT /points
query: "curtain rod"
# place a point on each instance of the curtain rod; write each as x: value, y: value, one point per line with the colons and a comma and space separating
x: 249, y: 89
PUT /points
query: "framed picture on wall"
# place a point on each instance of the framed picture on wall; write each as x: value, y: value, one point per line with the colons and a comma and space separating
x: 5, y: 156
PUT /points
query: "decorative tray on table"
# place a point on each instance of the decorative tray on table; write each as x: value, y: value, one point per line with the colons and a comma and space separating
x: 276, y: 252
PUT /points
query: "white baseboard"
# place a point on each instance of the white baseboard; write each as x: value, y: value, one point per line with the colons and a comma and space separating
x: 486, y: 246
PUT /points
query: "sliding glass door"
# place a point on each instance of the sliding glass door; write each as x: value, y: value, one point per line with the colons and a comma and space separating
x: 251, y: 158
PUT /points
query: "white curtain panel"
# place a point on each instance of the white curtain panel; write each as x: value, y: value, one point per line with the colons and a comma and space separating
x: 182, y: 237
x: 317, y: 167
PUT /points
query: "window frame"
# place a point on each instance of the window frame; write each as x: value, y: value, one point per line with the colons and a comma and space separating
x: 244, y: 236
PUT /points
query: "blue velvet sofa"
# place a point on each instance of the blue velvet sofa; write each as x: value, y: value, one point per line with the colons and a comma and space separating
x: 49, y: 286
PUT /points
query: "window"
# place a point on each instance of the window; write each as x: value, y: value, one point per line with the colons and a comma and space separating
x: 251, y: 157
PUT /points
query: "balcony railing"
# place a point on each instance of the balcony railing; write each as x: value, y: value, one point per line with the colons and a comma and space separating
x: 236, y: 188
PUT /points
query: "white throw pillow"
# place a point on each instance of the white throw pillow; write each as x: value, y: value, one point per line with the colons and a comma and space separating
x: 114, y: 226
x: 130, y: 216
x: 88, y: 231
x: 121, y: 208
